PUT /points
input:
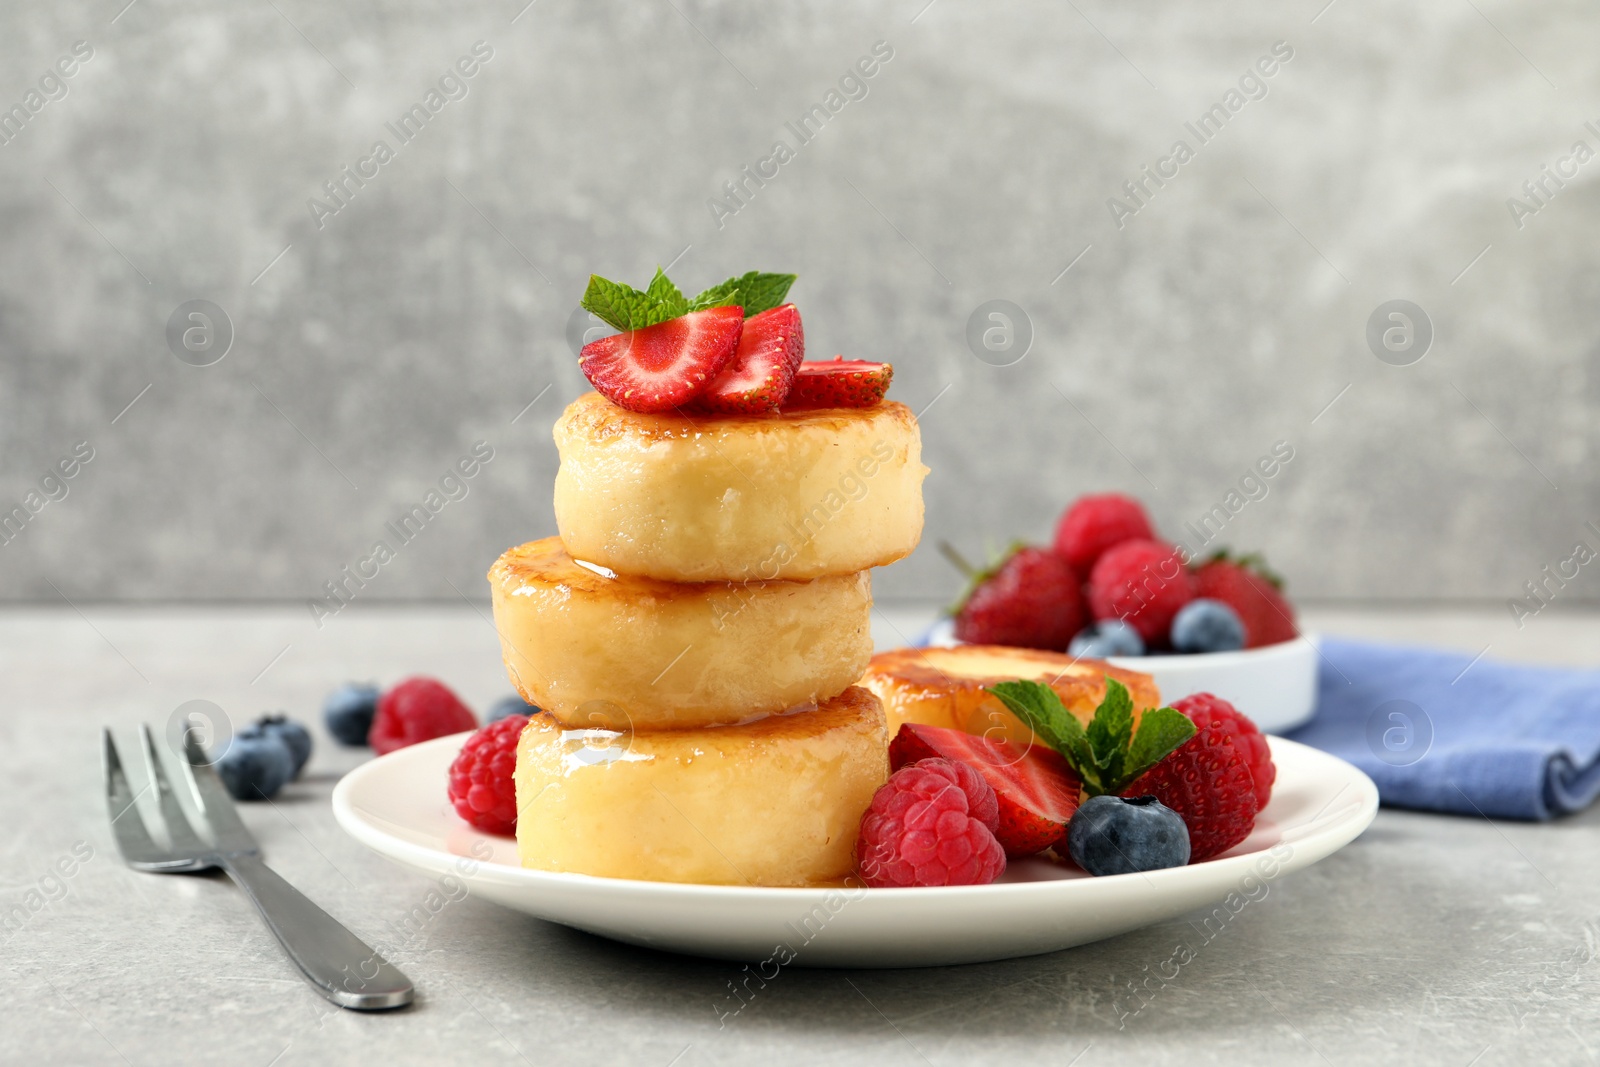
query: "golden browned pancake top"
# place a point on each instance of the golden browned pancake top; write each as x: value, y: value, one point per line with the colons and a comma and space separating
x: 970, y: 668
x: 594, y: 418
x: 854, y: 708
x: 545, y: 563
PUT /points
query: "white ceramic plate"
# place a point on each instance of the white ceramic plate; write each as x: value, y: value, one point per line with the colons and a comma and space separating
x: 1276, y: 685
x: 396, y: 805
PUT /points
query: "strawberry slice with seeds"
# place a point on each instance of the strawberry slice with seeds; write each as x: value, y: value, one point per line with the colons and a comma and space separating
x: 758, y: 377
x: 839, y: 383
x: 1037, y: 790
x: 663, y: 366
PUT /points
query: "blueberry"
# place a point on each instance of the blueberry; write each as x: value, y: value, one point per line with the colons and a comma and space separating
x: 256, y: 764
x: 1121, y: 835
x: 1109, y: 637
x: 508, y: 706
x: 1207, y: 625
x: 292, y: 734
x: 348, y: 712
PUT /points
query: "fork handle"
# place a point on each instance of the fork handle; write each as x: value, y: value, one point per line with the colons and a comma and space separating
x: 339, y: 964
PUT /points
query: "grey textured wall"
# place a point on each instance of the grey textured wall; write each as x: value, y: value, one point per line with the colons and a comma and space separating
x: 1227, y: 313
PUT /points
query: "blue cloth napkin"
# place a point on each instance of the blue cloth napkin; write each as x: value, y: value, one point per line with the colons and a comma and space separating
x: 1437, y: 731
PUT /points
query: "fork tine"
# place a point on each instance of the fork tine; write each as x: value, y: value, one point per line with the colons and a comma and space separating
x: 182, y: 835
x: 216, y: 805
x: 133, y: 839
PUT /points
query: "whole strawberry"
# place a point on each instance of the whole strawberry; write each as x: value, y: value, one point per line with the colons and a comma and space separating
x: 1031, y: 600
x: 482, y: 776
x: 1254, y: 593
x: 1206, y: 708
x: 1217, y: 780
x: 1096, y: 522
x: 1144, y: 583
x: 418, y: 709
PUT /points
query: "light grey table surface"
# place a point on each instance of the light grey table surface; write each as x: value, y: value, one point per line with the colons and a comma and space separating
x: 1431, y: 939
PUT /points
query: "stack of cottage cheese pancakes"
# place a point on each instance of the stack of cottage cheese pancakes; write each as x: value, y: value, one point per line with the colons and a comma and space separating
x: 695, y: 636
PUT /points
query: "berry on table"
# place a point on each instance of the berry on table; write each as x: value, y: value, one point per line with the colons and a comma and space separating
x: 255, y: 765
x: 1032, y: 599
x: 1123, y: 835
x: 482, y: 784
x: 418, y: 709
x: 1096, y: 522
x: 1106, y: 638
x: 921, y: 830
x: 292, y: 734
x: 1143, y: 583
x: 1207, y: 625
x: 347, y: 713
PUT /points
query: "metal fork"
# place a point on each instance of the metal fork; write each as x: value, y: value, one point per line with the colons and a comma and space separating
x: 338, y: 964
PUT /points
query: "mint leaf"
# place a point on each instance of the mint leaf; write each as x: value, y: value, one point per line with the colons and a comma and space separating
x: 1111, y: 729
x: 1161, y: 731
x: 724, y: 294
x: 626, y: 308
x: 1108, y: 755
x: 1041, y: 710
x: 763, y: 292
x: 613, y: 303
x: 755, y: 292
x: 663, y: 295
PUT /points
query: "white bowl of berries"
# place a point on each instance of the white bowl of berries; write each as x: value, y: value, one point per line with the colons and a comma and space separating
x: 1109, y: 588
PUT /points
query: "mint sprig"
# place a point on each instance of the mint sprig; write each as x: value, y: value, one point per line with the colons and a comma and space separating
x: 754, y: 291
x: 1109, y: 756
x: 626, y: 308
x: 662, y: 294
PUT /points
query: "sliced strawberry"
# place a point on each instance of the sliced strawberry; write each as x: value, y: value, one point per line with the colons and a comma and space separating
x: 758, y: 377
x: 839, y: 383
x: 1036, y: 789
x: 663, y: 366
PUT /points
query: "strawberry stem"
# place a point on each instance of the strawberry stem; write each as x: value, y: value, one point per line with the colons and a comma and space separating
x: 957, y: 560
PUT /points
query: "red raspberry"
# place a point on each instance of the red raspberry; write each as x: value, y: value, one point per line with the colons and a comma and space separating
x: 482, y: 786
x: 418, y: 709
x: 1144, y: 583
x: 931, y: 824
x: 1217, y: 780
x: 1097, y: 522
x: 1033, y: 600
x: 1267, y: 616
x: 1206, y: 708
